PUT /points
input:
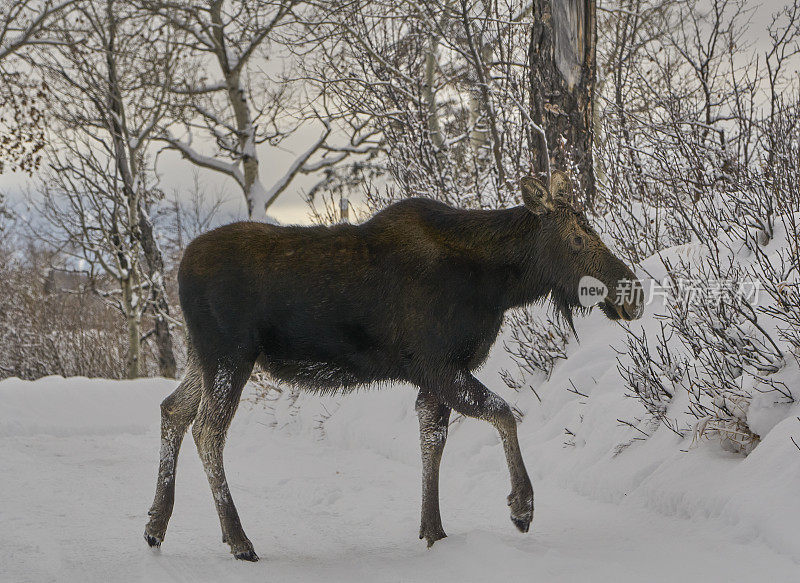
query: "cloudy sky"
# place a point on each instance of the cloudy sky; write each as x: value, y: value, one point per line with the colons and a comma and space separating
x: 176, y: 174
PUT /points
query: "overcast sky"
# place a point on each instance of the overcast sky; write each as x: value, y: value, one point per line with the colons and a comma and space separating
x: 177, y: 174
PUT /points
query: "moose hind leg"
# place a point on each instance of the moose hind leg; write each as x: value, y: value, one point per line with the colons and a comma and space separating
x: 433, y: 420
x: 220, y: 398
x: 468, y: 396
x: 178, y: 411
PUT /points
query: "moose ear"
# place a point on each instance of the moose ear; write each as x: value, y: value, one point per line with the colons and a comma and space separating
x: 560, y: 183
x: 535, y: 196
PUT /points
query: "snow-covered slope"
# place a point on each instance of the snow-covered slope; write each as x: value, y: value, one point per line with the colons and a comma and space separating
x: 339, y: 501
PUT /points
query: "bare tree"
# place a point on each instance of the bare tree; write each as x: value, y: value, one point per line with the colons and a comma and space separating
x: 188, y: 212
x: 98, y: 191
x: 93, y: 223
x: 439, y: 86
x: 25, y: 23
x: 238, y: 106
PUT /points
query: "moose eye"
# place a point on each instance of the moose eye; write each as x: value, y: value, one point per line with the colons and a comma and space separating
x: 577, y: 242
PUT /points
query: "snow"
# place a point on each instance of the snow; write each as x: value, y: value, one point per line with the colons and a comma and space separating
x: 339, y: 500
x: 328, y: 488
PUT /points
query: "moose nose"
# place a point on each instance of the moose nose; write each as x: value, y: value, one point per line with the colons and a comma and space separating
x: 631, y: 312
x: 632, y: 305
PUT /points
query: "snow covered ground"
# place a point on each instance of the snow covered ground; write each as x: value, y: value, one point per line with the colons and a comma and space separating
x: 339, y: 501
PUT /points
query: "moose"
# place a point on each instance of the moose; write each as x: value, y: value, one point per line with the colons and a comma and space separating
x: 417, y: 293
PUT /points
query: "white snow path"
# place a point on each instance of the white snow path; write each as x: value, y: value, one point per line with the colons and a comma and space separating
x: 75, y: 493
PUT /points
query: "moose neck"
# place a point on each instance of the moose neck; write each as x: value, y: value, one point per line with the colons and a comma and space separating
x: 506, y: 245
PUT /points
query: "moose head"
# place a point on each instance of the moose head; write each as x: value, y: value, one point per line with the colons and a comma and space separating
x: 568, y: 250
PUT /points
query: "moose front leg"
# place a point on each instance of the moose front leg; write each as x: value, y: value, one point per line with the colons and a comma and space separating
x: 468, y: 396
x: 433, y: 419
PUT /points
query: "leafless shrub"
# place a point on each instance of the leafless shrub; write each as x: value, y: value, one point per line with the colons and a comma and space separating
x: 780, y: 283
x: 266, y: 390
x: 68, y: 333
x: 536, y: 345
x: 186, y: 213
x: 698, y: 145
x: 441, y: 88
x: 653, y: 378
x: 639, y: 229
x: 733, y: 356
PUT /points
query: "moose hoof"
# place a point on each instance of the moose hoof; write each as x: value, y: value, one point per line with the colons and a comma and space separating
x: 431, y: 535
x: 248, y: 555
x: 522, y: 524
x: 155, y: 529
x: 521, y: 510
x: 244, y: 551
x: 153, y: 541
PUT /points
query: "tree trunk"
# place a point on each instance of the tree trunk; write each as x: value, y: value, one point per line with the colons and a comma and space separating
x: 133, y: 356
x: 155, y: 266
x: 562, y: 62
x: 427, y: 92
x: 126, y: 159
x: 254, y: 192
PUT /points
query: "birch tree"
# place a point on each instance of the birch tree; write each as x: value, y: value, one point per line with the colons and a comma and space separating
x: 110, y: 96
x: 232, y: 104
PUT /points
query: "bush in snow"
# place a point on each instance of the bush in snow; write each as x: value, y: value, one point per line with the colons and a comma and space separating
x: 732, y: 353
x: 653, y: 379
x: 536, y: 346
x: 721, y: 342
x: 780, y: 281
x: 719, y: 177
x: 49, y: 331
x: 279, y: 401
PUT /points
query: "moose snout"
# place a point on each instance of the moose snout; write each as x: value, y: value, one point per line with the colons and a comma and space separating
x: 628, y: 300
x: 619, y: 298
